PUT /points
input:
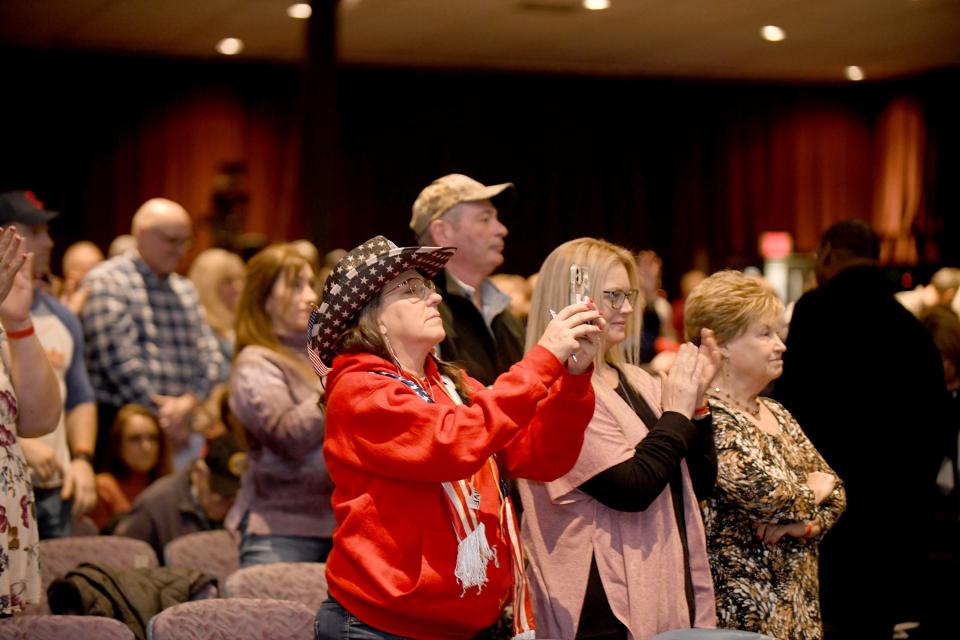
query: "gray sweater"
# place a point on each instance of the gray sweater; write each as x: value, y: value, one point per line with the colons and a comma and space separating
x: 286, y: 488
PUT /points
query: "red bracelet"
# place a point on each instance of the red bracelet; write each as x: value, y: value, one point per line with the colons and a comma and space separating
x: 20, y: 333
x: 808, y: 531
x: 699, y: 412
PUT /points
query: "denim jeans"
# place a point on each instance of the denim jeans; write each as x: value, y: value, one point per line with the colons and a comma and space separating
x: 257, y: 549
x: 53, y: 514
x: 333, y: 622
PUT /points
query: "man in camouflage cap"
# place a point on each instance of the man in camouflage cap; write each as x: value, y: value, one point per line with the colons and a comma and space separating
x: 483, y: 336
x: 195, y: 498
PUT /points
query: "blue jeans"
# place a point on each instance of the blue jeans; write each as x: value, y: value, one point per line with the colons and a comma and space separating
x: 53, y: 514
x: 256, y: 549
x: 333, y: 622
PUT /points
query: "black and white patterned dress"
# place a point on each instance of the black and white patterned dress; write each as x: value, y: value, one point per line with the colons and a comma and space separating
x: 762, y: 478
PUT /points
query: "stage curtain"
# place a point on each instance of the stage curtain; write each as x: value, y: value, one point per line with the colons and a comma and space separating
x: 900, y: 156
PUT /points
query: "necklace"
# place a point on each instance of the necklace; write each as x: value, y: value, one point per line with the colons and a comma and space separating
x: 423, y: 383
x: 726, y: 397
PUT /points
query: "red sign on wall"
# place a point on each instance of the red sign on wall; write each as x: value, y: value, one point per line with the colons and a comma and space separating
x: 776, y: 245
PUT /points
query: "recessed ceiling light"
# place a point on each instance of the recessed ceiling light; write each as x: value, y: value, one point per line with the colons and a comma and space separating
x: 596, y: 5
x: 772, y: 33
x: 299, y: 11
x: 854, y: 73
x: 230, y: 46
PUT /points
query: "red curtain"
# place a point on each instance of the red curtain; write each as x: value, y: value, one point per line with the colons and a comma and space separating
x: 687, y: 169
x: 178, y: 151
x: 800, y: 171
x: 900, y: 166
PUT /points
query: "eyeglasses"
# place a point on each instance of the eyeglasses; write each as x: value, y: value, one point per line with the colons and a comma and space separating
x: 616, y: 297
x: 414, y: 288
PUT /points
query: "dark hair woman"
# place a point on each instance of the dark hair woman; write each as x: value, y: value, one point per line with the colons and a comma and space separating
x: 137, y: 454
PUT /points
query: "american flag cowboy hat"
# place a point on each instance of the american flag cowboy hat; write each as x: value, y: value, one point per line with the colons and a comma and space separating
x: 356, y: 280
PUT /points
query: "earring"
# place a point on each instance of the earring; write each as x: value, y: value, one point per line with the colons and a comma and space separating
x: 390, y: 350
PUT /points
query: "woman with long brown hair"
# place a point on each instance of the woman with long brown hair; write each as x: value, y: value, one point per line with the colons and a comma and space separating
x: 137, y: 454
x: 283, y: 509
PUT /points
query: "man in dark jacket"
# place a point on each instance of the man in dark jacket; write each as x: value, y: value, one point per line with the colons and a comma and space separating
x: 865, y: 382
x: 196, y: 498
x: 483, y: 337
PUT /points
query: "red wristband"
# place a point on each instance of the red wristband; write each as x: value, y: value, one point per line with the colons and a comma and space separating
x: 699, y: 412
x: 20, y: 333
x: 808, y: 531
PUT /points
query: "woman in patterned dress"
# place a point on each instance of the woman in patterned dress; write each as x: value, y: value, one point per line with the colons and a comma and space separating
x: 775, y: 496
x: 34, y: 412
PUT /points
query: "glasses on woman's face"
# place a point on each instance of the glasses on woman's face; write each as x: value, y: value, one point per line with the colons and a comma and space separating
x: 616, y: 297
x: 414, y: 288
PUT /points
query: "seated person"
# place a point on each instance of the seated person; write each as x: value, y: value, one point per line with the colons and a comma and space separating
x: 137, y: 455
x: 196, y: 498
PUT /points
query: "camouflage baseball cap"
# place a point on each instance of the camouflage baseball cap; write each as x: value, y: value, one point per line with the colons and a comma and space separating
x: 227, y: 462
x: 443, y: 193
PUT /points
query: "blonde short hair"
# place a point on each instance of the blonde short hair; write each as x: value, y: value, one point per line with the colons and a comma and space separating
x: 552, y: 291
x: 210, y: 269
x: 727, y: 302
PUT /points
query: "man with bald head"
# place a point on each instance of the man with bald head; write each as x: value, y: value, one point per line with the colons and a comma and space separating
x: 78, y: 259
x: 147, y: 341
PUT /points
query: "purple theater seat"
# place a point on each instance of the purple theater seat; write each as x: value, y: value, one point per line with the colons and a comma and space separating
x: 303, y: 582
x: 50, y: 627
x: 60, y: 555
x: 216, y: 553
x: 229, y: 619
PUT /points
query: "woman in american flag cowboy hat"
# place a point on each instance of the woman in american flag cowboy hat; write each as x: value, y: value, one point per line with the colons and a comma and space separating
x: 426, y: 543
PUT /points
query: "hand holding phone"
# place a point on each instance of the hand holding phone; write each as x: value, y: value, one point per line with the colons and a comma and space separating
x: 570, y: 333
x: 579, y: 284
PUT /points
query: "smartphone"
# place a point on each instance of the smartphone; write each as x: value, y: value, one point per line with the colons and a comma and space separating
x: 579, y: 284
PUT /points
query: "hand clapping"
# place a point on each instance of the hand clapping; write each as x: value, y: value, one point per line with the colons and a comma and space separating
x: 690, y: 374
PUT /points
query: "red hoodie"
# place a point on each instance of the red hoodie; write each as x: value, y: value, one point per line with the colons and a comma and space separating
x: 388, y: 451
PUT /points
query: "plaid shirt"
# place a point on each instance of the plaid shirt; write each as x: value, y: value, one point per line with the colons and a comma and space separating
x: 146, y: 335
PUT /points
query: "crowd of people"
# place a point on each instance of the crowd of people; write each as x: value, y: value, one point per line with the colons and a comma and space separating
x: 486, y: 456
